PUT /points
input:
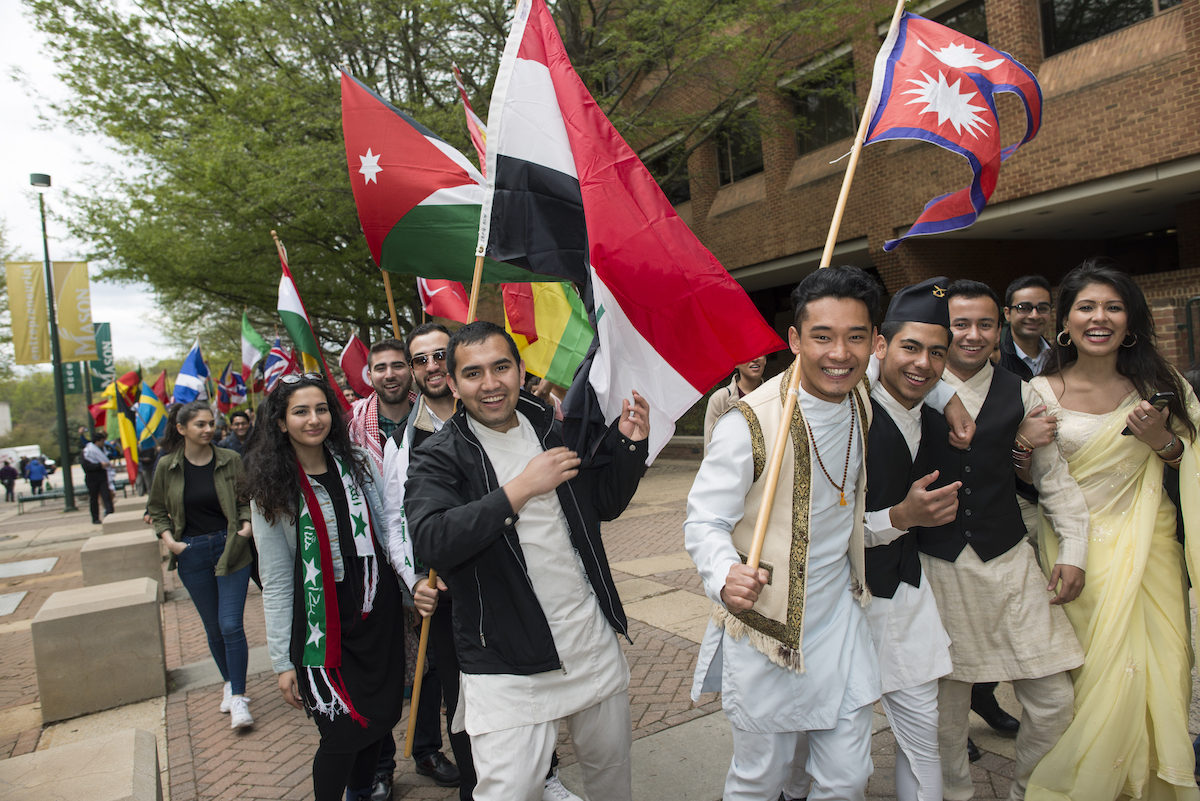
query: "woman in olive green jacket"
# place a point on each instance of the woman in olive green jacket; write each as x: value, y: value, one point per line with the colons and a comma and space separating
x: 194, y: 507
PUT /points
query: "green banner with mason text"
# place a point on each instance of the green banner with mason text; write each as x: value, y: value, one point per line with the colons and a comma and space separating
x: 104, y: 368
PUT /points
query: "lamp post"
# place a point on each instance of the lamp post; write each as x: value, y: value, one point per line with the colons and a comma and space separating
x: 60, y: 402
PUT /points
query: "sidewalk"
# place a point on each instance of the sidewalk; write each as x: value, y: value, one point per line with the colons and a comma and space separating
x: 681, y: 749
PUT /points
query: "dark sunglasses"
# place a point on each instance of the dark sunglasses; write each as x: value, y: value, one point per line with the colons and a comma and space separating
x: 438, y: 356
x: 292, y: 378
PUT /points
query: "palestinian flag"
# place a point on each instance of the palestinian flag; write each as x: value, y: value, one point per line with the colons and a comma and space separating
x: 550, y: 326
x: 418, y: 198
x: 567, y: 194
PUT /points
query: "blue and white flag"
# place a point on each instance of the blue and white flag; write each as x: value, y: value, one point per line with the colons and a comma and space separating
x: 191, y: 382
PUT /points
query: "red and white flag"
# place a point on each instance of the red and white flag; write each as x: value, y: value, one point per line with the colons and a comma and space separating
x: 567, y: 196
x: 446, y: 299
x: 353, y: 362
x: 475, y: 125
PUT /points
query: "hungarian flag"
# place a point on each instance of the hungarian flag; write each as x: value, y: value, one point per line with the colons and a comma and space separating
x: 935, y: 84
x: 418, y: 198
x: 553, y: 334
x: 126, y: 418
x: 254, y: 348
x: 295, y: 320
x: 353, y: 362
x: 566, y: 195
x: 446, y: 299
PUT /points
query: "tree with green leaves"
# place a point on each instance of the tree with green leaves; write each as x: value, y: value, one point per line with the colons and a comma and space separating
x: 228, y: 113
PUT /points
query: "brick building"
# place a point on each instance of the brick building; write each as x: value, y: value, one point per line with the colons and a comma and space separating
x: 1115, y: 170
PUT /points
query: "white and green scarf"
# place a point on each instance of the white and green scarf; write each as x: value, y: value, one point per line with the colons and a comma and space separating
x: 322, y: 657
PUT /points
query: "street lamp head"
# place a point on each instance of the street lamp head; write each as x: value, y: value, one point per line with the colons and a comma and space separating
x: 39, y: 179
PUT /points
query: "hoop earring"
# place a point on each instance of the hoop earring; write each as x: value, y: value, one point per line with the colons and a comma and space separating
x: 1131, y: 344
x: 1058, y: 339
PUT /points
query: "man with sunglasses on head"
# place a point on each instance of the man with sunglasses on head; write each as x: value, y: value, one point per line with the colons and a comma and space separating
x: 1024, y: 349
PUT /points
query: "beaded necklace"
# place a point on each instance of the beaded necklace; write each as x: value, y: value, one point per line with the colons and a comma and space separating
x: 846, y: 470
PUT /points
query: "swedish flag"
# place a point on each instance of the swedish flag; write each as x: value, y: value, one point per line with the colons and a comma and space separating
x: 151, y: 416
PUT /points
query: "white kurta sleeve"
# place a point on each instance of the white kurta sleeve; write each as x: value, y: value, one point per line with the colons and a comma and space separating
x: 717, y: 502
x: 1060, y: 497
x: 878, y: 529
x: 400, y: 550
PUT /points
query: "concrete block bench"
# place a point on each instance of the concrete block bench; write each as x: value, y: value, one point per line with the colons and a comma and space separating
x: 116, y: 767
x: 117, y: 557
x: 99, y: 647
x: 119, y: 522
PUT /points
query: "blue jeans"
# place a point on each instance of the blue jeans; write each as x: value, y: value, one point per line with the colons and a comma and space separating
x: 220, y: 600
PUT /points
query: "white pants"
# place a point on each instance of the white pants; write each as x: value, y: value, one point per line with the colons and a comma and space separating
x: 1048, y: 705
x: 913, y: 714
x: 839, y: 761
x: 512, y: 764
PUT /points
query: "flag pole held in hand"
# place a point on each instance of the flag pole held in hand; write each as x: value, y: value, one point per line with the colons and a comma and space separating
x: 793, y: 390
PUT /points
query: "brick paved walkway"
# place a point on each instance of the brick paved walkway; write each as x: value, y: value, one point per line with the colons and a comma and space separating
x: 207, y: 761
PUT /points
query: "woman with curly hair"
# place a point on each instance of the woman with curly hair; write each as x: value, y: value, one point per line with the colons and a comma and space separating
x: 331, y: 601
x: 1129, y: 738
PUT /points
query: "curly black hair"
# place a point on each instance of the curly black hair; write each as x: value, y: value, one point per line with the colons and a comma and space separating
x: 272, y: 477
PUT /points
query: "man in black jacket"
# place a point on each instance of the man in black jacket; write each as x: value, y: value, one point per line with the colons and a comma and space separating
x: 1024, y: 350
x: 510, y: 518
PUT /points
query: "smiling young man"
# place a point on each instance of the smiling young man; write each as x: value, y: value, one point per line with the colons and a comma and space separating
x: 788, y: 645
x: 375, y: 417
x: 511, y: 520
x: 1024, y: 349
x: 1004, y: 623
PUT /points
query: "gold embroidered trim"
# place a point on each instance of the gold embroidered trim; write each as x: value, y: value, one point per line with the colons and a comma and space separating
x: 758, y: 447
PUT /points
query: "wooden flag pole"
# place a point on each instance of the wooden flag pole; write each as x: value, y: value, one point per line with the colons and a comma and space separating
x: 387, y: 287
x: 424, y: 643
x: 793, y: 390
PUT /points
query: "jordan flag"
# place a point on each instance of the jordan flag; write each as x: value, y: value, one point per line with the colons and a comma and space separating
x: 566, y: 195
x: 418, y: 198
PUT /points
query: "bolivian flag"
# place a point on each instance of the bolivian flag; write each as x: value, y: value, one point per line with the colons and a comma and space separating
x: 550, y: 326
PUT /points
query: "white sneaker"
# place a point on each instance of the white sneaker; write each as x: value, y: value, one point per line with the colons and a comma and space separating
x: 239, y: 712
x: 226, y: 696
x: 556, y: 792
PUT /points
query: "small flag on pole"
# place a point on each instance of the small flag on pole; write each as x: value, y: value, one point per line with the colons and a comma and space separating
x: 353, y: 362
x: 279, y: 362
x: 231, y: 391
x: 254, y: 348
x: 191, y: 382
x: 441, y: 298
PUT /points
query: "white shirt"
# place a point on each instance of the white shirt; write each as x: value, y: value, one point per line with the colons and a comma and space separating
x: 1034, y: 363
x: 395, y: 473
x: 593, y: 667
x: 841, y: 667
x: 94, y: 454
x: 910, y: 641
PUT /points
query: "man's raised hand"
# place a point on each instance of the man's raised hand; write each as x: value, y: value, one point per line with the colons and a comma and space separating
x: 742, y: 586
x: 635, y: 419
x: 925, y: 507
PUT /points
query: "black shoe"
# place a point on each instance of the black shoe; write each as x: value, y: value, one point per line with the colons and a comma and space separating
x: 443, y: 772
x: 995, y: 717
x: 381, y: 788
x: 973, y: 752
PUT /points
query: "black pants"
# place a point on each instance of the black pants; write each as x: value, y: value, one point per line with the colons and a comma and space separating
x: 97, y: 487
x: 35, y: 487
x: 441, y: 638
x: 333, y: 773
x: 8, y: 491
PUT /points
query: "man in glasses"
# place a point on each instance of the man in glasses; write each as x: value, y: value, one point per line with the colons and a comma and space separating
x: 1024, y: 348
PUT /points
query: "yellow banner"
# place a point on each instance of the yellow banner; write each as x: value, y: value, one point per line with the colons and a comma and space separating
x: 73, y: 302
x: 27, y: 304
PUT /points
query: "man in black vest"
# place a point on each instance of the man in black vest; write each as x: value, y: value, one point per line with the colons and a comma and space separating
x: 1003, y: 620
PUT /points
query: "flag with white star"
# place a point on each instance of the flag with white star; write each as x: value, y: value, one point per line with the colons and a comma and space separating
x: 935, y: 84
x: 418, y: 198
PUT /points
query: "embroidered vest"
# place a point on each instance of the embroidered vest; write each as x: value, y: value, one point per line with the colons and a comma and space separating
x: 889, y: 476
x: 775, y: 626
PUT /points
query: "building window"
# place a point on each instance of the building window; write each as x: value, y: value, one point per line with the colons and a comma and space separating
x: 739, y: 151
x: 677, y: 187
x: 825, y: 108
x: 969, y: 19
x: 1070, y: 23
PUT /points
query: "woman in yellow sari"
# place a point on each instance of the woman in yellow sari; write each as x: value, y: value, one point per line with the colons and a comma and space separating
x: 1129, y: 738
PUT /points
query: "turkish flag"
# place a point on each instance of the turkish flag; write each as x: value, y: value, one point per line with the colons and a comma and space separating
x: 446, y: 299
x: 354, y: 364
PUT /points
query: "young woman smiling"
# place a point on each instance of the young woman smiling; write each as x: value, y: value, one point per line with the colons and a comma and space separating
x: 1129, y: 737
x: 194, y: 508
x: 331, y: 600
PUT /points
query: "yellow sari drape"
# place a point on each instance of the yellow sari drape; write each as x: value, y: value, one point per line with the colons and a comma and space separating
x: 1130, y: 736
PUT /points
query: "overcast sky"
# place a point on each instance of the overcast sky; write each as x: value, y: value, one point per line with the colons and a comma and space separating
x: 30, y: 144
